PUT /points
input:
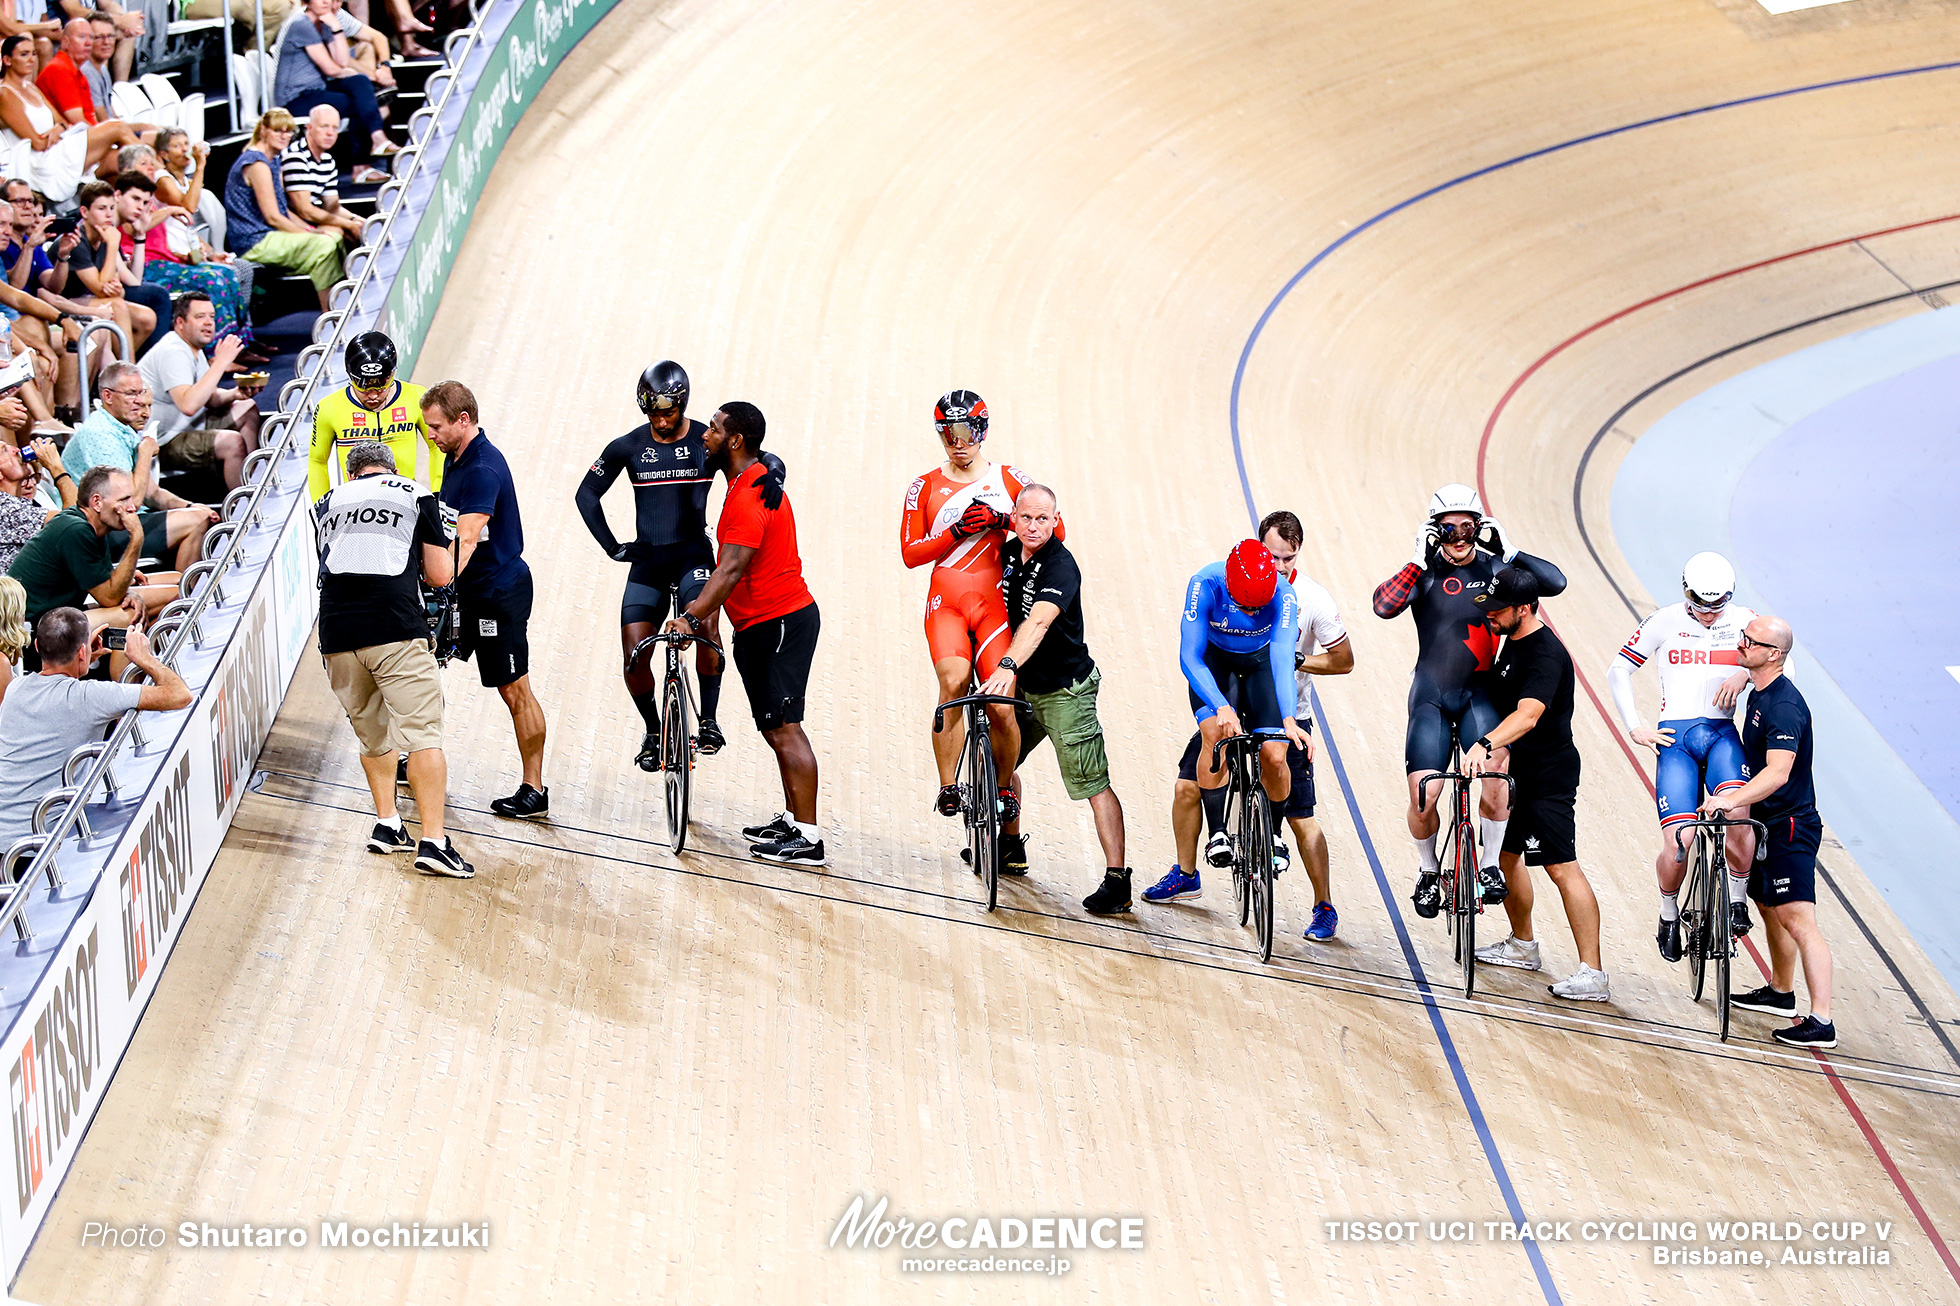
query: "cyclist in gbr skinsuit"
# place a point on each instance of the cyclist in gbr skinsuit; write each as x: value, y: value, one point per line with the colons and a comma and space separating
x: 955, y: 520
x: 1694, y: 643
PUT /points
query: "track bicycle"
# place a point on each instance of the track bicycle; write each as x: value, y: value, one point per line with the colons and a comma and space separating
x: 1706, y: 911
x: 1463, y: 898
x: 979, y: 782
x: 678, y: 712
x: 1250, y: 825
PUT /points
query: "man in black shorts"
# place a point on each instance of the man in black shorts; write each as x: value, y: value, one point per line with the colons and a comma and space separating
x: 1776, y: 744
x: 759, y: 577
x: 666, y: 458
x: 1532, y: 685
x: 1458, y: 550
x: 493, y: 582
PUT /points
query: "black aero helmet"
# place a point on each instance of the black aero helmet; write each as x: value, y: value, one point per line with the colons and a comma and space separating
x: 961, y: 408
x: 371, y: 360
x: 662, y: 386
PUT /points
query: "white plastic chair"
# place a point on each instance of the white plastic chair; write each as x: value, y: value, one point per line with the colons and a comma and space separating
x: 190, y: 116
x: 245, y: 77
x: 160, y: 89
x: 127, y: 101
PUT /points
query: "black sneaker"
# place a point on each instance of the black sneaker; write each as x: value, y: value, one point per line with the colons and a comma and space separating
x: 774, y: 830
x: 527, y: 804
x: 1669, y: 939
x: 1809, y: 1032
x: 792, y: 851
x: 1428, y: 897
x: 1766, y: 1000
x: 1491, y: 880
x: 442, y: 859
x: 648, y: 758
x: 385, y: 840
x: 948, y: 802
x: 1739, y: 922
x: 1013, y: 855
x: 1112, y: 896
x: 708, y: 739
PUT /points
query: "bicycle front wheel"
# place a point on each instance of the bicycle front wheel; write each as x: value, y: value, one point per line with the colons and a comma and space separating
x: 1235, y: 822
x: 1700, y: 931
x: 1468, y: 899
x: 676, y: 760
x: 983, y: 805
x: 1720, y: 941
x: 1257, y: 826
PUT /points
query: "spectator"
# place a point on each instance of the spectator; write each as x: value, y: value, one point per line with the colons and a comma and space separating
x: 65, y: 83
x: 46, y: 717
x: 146, y: 248
x: 180, y: 181
x: 246, y: 12
x: 111, y: 437
x: 41, y: 29
x: 407, y: 26
x: 34, y: 143
x: 14, y: 635
x: 97, y: 273
x: 27, y: 317
x: 40, y: 277
x: 316, y: 67
x: 311, y: 178
x: 368, y: 46
x: 21, y: 516
x: 380, y: 536
x: 201, y: 422
x: 91, y: 551
x: 258, y: 223
x: 124, y: 26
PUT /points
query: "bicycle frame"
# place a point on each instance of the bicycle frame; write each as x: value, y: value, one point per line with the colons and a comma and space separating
x: 1706, y: 914
x: 1457, y: 855
x: 678, y: 709
x: 1252, y: 852
x: 980, y: 794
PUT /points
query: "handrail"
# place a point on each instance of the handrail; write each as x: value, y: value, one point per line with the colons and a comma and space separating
x: 81, y: 351
x: 456, y: 51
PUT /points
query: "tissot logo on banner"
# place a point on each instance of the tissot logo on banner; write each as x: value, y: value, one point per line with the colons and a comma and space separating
x: 241, y: 713
x: 50, y: 1079
x: 153, y: 880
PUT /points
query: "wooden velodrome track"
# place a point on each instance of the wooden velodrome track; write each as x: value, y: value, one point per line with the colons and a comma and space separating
x: 665, y: 1082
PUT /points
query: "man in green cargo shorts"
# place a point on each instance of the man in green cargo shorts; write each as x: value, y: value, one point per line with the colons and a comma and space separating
x: 1048, y: 663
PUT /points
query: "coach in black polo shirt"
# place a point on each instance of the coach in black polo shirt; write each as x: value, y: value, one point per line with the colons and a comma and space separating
x: 493, y: 582
x: 1776, y: 746
x: 1532, y: 686
x: 1048, y: 661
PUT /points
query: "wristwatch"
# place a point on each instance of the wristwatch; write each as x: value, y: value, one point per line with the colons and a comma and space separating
x: 693, y: 622
x: 1010, y: 664
x: 1485, y: 744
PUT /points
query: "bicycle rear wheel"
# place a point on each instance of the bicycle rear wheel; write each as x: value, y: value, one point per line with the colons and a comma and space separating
x: 1720, y: 942
x: 1698, y: 929
x: 1468, y: 901
x: 1256, y: 829
x: 983, y: 804
x: 676, y: 760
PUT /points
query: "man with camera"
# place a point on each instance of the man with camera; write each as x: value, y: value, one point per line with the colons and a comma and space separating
x: 380, y: 537
x: 90, y: 551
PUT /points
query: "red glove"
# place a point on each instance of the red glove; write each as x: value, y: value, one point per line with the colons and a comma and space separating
x: 977, y: 518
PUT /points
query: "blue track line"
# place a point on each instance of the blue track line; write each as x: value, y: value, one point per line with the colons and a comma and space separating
x: 1416, y: 972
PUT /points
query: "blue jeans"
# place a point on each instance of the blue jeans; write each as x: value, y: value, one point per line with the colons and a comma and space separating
x: 350, y: 95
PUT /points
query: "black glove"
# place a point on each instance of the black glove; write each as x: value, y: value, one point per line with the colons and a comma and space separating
x: 978, y: 517
x: 775, y: 465
x: 633, y: 551
x: 771, y: 488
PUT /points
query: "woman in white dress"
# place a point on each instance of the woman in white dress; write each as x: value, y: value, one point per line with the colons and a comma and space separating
x: 34, y: 144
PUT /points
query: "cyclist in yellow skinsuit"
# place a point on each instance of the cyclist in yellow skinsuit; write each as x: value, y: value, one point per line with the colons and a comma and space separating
x: 371, y: 406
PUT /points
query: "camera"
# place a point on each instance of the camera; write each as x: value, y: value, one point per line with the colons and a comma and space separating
x: 62, y: 226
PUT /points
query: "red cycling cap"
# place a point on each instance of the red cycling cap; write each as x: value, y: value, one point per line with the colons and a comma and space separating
x: 1250, y: 574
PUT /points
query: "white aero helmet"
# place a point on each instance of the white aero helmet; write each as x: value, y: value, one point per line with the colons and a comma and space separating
x: 1708, y: 581
x: 1456, y: 498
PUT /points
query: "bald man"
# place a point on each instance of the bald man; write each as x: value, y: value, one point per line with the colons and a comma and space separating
x: 1776, y: 743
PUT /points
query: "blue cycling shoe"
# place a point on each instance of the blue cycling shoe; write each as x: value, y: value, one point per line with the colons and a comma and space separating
x: 1174, y: 887
x: 1325, y: 920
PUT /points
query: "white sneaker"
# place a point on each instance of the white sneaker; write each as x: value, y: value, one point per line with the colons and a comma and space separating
x: 1584, y: 985
x: 1218, y: 849
x: 1282, y: 859
x: 1511, y: 952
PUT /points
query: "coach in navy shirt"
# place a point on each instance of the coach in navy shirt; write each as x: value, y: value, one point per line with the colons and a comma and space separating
x: 1776, y: 743
x: 493, y: 582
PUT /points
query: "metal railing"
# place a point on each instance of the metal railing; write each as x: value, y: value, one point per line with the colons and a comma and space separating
x: 90, y: 767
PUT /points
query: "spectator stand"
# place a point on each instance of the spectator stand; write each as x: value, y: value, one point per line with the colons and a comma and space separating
x: 51, y: 875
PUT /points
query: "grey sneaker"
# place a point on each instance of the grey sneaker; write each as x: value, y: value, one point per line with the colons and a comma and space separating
x: 1583, y: 985
x: 1511, y: 952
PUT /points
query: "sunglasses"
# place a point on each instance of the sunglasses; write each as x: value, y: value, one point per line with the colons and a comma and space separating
x: 1695, y: 605
x: 1461, y: 533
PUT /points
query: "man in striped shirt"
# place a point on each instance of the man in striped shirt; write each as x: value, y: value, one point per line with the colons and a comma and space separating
x: 311, y: 178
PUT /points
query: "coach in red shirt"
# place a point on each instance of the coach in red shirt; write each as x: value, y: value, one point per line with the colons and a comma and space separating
x: 62, y: 80
x: 758, y: 577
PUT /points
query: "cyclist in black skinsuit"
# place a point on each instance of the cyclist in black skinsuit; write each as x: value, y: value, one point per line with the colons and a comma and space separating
x: 667, y: 461
x: 1457, y: 552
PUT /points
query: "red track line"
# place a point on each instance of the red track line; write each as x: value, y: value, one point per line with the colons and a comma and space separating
x: 1633, y: 760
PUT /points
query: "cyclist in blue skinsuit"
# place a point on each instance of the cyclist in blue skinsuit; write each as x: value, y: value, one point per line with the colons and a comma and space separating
x: 1237, y: 642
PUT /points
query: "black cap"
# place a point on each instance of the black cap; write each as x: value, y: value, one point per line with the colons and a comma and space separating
x: 1510, y: 588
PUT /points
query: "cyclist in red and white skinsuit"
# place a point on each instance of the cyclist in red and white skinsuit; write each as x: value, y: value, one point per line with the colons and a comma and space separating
x: 956, y: 517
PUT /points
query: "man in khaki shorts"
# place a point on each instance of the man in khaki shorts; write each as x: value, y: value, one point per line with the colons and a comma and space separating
x: 380, y: 535
x: 1048, y: 662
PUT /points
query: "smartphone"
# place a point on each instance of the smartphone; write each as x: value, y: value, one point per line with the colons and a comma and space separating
x: 115, y: 638
x: 62, y: 226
